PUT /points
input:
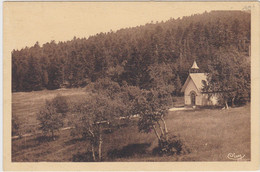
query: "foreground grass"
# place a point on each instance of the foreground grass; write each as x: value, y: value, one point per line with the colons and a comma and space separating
x: 209, y: 134
x: 212, y: 134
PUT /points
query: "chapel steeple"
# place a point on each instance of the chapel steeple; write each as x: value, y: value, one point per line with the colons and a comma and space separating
x: 194, y: 68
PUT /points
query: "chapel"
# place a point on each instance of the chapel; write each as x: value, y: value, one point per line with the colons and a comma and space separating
x: 193, y: 89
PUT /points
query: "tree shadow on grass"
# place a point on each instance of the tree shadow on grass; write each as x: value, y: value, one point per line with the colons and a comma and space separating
x: 42, y: 139
x: 74, y: 140
x: 30, y: 142
x: 129, y: 150
x: 83, y: 157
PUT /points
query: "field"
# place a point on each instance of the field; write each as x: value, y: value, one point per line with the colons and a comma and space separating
x: 209, y: 134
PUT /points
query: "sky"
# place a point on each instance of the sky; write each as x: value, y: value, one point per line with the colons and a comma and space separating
x: 28, y: 22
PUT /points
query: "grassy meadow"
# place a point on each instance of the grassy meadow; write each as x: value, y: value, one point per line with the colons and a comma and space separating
x: 25, y: 105
x: 209, y: 134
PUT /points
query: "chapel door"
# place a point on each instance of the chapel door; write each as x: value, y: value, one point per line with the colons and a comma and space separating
x: 193, y: 99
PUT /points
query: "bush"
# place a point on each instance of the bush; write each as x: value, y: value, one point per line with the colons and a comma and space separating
x: 52, y: 114
x: 61, y: 104
x: 172, y: 146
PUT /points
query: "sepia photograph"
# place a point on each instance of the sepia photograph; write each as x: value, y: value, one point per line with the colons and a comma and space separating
x: 129, y: 82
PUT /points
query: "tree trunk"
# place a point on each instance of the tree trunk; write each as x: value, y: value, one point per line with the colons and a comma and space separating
x: 226, y: 104
x: 233, y: 99
x: 164, y: 123
x: 52, y: 135
x: 156, y: 133
x: 100, y: 146
x: 93, y: 152
x: 165, y: 127
x: 92, y: 144
x: 160, y: 128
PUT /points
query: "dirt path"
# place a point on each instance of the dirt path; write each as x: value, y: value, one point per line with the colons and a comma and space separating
x: 32, y: 134
x: 179, y: 108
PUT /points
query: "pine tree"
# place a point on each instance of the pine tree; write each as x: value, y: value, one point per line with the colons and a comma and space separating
x: 32, y: 79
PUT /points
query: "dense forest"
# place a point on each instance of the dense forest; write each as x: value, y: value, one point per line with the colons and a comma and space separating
x: 130, y: 55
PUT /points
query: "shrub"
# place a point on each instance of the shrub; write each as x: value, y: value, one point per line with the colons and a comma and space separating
x: 52, y: 114
x: 171, y: 146
x: 61, y: 104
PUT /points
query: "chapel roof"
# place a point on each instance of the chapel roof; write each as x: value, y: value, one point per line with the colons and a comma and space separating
x: 197, y: 79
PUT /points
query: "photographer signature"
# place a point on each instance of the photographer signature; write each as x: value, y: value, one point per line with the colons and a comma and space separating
x: 233, y: 156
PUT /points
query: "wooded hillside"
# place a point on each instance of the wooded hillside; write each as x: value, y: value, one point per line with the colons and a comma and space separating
x: 129, y: 55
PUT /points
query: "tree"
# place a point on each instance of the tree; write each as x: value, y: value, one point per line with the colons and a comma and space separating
x: 229, y: 77
x: 54, y: 74
x: 178, y: 86
x: 61, y: 104
x: 127, y: 54
x: 100, y: 111
x: 32, y: 79
x: 52, y: 114
x: 152, y: 105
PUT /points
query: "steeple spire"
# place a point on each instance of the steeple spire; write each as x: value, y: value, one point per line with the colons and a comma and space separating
x: 194, y: 68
